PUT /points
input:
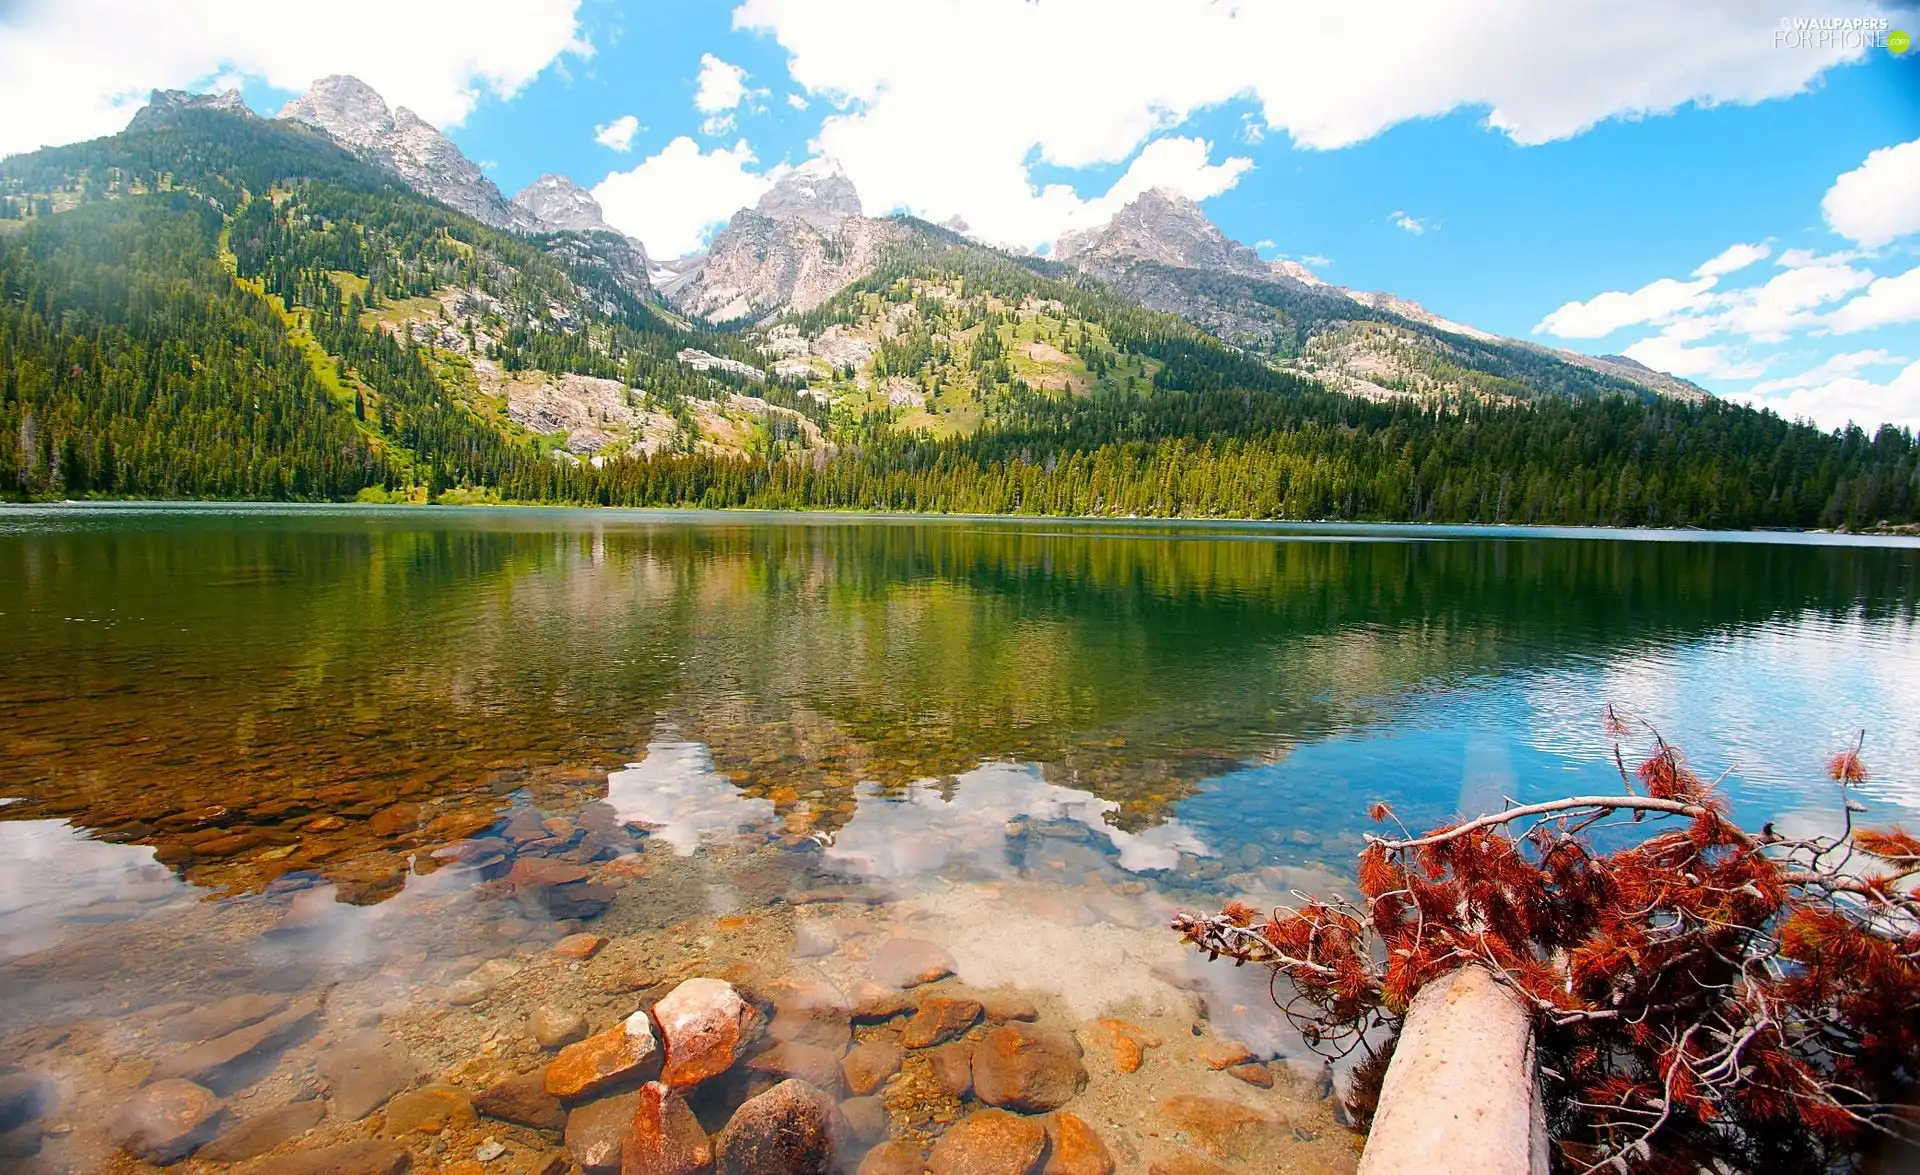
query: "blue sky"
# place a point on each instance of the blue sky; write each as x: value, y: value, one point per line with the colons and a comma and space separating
x: 1555, y: 172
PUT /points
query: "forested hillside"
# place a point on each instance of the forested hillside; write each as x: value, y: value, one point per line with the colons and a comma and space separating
x: 219, y: 306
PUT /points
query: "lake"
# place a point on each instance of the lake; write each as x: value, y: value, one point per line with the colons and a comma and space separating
x: 312, y: 805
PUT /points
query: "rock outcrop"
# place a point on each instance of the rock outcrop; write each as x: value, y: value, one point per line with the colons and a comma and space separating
x: 398, y: 139
x: 1167, y: 228
x: 816, y: 192
x: 558, y: 203
x: 162, y: 105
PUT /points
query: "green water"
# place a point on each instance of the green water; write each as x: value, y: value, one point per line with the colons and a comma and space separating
x: 212, y: 714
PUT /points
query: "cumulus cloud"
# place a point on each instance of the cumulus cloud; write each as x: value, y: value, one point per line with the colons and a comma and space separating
x: 1888, y: 300
x: 1829, y: 369
x: 619, y: 133
x: 1733, y: 259
x: 76, y: 69
x: 1849, y: 398
x: 672, y: 200
x: 1787, y: 302
x: 1669, y: 351
x: 722, y: 85
x: 897, y: 70
x: 1879, y: 200
x: 1603, y: 314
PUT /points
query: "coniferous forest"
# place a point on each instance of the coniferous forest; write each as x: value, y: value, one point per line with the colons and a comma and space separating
x: 193, y: 311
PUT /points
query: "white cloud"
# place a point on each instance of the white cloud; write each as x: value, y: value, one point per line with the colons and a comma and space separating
x: 1733, y: 259
x: 919, y: 130
x: 1668, y: 351
x: 1888, y: 300
x: 1317, y: 261
x: 796, y: 101
x: 1410, y: 224
x: 1603, y: 314
x: 672, y: 200
x: 1849, y: 398
x: 723, y: 86
x: 1786, y: 302
x: 1171, y: 164
x: 1264, y: 244
x: 1833, y: 366
x: 74, y: 69
x: 619, y: 133
x: 1880, y: 199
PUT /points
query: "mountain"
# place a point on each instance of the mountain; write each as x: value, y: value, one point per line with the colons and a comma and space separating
x: 163, y: 105
x: 1162, y: 251
x: 802, y: 243
x: 358, y: 119
x: 219, y: 306
x: 556, y: 202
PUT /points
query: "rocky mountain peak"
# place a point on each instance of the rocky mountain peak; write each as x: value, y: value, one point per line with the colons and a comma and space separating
x: 817, y: 192
x: 559, y: 203
x: 1164, y: 227
x: 359, y: 119
x: 164, y: 104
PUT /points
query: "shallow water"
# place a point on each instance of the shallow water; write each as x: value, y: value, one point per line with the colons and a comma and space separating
x: 299, y: 753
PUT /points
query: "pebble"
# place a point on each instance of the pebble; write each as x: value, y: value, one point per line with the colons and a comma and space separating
x: 1224, y: 1054
x: 165, y: 1121
x: 555, y: 1028
x: 625, y: 1053
x: 1252, y: 1074
x: 1021, y: 1067
x: 989, y: 1142
x: 1129, y: 1042
x: 705, y: 1025
x: 490, y: 1150
x: 579, y: 947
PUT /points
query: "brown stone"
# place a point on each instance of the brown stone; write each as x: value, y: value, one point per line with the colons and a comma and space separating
x: 165, y: 1121
x: 704, y: 1025
x: 394, y: 820
x: 1129, y: 1042
x: 366, y: 1157
x: 816, y: 1066
x: 1032, y: 1070
x: 870, y: 1063
x: 1184, y: 1165
x: 361, y: 1078
x: 1252, y: 1074
x: 554, y: 1028
x: 873, y: 1003
x: 579, y: 946
x: 822, y: 1031
x: 788, y: 1130
x: 226, y: 1061
x: 535, y: 873
x: 625, y: 1054
x: 264, y: 1131
x: 1001, y: 1007
x: 664, y: 1138
x: 1223, y: 1128
x: 429, y: 1111
x: 522, y: 1099
x: 899, y: 1157
x: 222, y: 1016
x: 940, y: 1019
x: 989, y: 1142
x: 1224, y: 1054
x: 1075, y: 1149
x: 866, y: 1117
x: 596, y: 1128
x: 908, y: 962
x: 952, y: 1066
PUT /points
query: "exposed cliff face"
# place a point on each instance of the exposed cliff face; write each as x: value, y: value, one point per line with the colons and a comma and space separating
x: 558, y: 203
x: 802, y: 243
x: 400, y: 140
x: 1162, y: 227
x: 759, y: 267
x: 164, y: 104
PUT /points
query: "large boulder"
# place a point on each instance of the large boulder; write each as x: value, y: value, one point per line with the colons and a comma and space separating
x: 625, y: 1054
x: 788, y: 1130
x: 706, y: 1026
x: 165, y: 1121
x: 663, y: 1137
x: 989, y: 1142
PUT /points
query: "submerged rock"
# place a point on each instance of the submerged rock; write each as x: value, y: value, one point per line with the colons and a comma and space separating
x: 989, y: 1142
x: 595, y: 1130
x: 365, y: 1157
x: 360, y: 1079
x: 705, y: 1026
x: 264, y: 1131
x: 866, y: 1118
x: 624, y: 1054
x: 429, y: 1111
x: 899, y: 1157
x: 1075, y: 1148
x: 227, y: 1061
x: 165, y: 1121
x: 1020, y: 1067
x: 909, y: 962
x: 522, y: 1099
x: 788, y: 1130
x: 870, y: 1063
x: 554, y: 1028
x: 1225, y: 1128
x: 663, y: 1137
x: 940, y: 1019
x: 814, y: 1065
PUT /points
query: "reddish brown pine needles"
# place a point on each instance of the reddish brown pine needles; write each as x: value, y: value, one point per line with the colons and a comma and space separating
x: 1707, y: 992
